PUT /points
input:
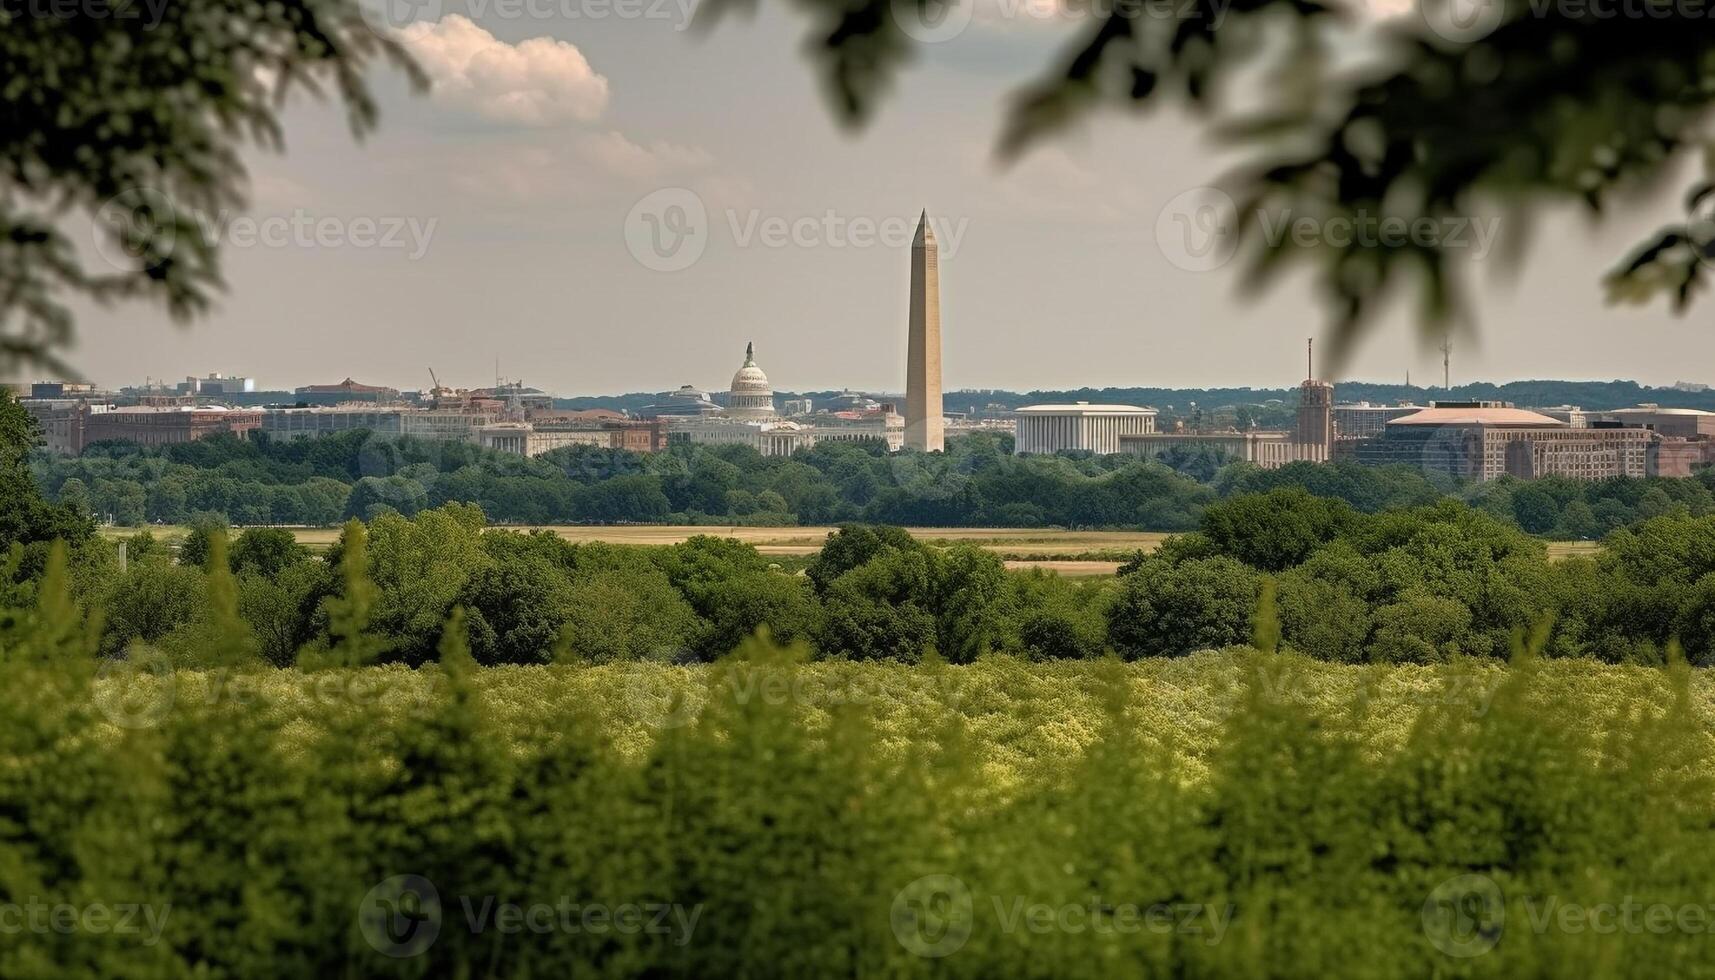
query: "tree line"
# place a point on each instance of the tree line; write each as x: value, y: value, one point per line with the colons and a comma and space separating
x: 1418, y: 585
x: 977, y: 483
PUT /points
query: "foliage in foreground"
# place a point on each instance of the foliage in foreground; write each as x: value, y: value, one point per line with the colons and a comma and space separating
x: 834, y: 819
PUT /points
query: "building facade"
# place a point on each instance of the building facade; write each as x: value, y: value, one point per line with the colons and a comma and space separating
x: 524, y: 439
x: 1096, y: 428
x: 1361, y: 420
x: 1269, y: 450
x: 776, y: 438
x: 446, y: 424
x: 159, y: 426
x: 884, y: 424
x: 1679, y: 423
x: 1487, y: 440
x: 1315, y: 433
x: 290, y: 424
x: 217, y: 386
x: 62, y: 423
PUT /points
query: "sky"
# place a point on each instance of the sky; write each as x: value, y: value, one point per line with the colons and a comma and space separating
x: 604, y: 201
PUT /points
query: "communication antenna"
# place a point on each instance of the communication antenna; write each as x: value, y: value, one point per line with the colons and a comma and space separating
x: 1447, y: 364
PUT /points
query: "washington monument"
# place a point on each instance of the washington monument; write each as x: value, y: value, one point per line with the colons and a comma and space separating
x: 923, y: 418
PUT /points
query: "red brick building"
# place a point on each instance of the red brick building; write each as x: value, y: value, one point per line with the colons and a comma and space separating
x: 640, y: 437
x: 158, y: 426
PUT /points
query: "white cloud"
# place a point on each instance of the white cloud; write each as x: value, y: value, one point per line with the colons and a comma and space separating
x: 546, y: 169
x: 535, y: 82
x: 613, y: 152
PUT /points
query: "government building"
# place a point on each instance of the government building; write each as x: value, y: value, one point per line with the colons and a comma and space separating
x: 1051, y: 429
x: 1485, y: 440
x: 748, y: 418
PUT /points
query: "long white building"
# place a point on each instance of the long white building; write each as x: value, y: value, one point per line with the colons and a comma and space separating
x: 1097, y: 428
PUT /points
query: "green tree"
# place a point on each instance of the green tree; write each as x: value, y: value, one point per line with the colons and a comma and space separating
x: 881, y: 609
x: 203, y: 528
x: 1420, y: 628
x: 267, y: 551
x: 1172, y: 610
x: 853, y: 545
x: 628, y: 614
x: 734, y: 592
x: 1275, y: 530
x: 350, y: 641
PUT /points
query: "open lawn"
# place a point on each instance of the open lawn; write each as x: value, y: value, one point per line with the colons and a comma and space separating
x: 1066, y: 552
x: 1075, y: 553
x: 1566, y: 549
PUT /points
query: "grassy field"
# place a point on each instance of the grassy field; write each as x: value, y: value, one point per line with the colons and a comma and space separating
x: 1566, y: 549
x: 1073, y: 553
x: 1076, y: 553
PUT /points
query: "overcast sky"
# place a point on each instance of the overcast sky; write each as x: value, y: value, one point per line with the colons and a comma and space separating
x: 500, y: 217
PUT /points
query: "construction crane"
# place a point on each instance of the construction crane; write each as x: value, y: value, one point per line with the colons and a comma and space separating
x: 438, y: 390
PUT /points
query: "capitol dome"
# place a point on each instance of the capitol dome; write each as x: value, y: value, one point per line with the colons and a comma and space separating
x: 750, y: 397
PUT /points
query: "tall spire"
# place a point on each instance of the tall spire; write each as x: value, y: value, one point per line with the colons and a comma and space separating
x: 925, y: 234
x: 924, y: 418
x: 1309, y: 359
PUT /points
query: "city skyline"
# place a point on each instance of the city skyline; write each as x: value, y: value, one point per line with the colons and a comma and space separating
x: 458, y: 380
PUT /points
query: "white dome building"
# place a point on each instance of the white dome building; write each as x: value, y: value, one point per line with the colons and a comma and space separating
x: 750, y: 397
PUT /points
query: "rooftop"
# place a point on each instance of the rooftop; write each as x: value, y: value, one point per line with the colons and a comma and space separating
x: 1655, y: 410
x: 1467, y: 415
x: 1085, y: 408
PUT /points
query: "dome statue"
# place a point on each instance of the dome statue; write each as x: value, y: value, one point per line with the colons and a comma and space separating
x: 750, y: 397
